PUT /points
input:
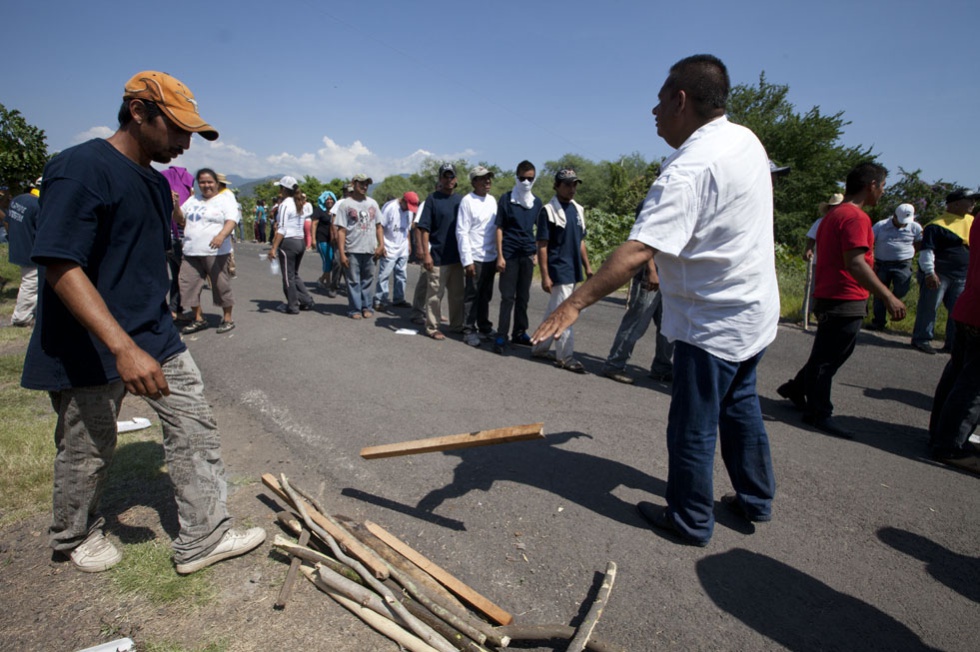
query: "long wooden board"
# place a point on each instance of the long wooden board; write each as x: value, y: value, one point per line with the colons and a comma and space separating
x: 343, y: 538
x: 442, y: 576
x: 452, y: 442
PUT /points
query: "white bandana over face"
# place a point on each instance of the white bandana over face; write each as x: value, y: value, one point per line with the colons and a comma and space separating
x: 521, y: 194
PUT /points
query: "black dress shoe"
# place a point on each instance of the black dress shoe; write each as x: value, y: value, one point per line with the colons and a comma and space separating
x: 658, y: 518
x: 791, y: 393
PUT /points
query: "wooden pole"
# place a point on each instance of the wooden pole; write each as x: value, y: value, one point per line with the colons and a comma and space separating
x: 294, y: 564
x: 453, y: 442
x: 592, y: 618
x: 444, y: 577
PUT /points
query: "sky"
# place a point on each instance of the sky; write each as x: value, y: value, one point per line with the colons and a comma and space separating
x: 331, y: 89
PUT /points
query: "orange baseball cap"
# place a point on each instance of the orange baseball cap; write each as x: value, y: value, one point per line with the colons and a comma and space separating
x: 173, y: 98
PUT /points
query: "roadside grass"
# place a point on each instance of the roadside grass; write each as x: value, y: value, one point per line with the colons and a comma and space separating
x: 147, y: 570
x: 166, y: 646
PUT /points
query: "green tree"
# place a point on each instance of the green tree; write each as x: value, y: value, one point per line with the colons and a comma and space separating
x: 23, y: 150
x: 391, y: 187
x: 929, y: 199
x: 808, y: 142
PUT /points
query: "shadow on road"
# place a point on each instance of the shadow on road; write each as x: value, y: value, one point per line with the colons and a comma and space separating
x: 796, y: 610
x: 580, y: 478
x: 897, y: 394
x: 959, y: 572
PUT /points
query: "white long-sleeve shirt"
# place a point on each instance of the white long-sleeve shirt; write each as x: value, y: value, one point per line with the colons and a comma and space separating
x: 476, y: 231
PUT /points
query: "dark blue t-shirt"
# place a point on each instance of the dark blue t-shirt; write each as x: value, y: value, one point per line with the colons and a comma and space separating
x: 111, y: 216
x: 517, y: 224
x: 952, y: 255
x: 439, y: 219
x: 564, y: 246
x: 21, y: 226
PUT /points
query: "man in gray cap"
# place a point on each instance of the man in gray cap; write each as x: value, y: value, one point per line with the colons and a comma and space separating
x: 943, y: 260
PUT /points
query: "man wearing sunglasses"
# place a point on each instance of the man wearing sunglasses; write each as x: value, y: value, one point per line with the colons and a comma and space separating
x: 104, y: 329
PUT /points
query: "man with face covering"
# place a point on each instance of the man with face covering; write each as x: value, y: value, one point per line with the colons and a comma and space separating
x: 517, y: 214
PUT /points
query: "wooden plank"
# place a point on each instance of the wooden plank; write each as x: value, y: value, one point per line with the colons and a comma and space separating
x: 344, y: 539
x: 481, y: 603
x: 452, y: 442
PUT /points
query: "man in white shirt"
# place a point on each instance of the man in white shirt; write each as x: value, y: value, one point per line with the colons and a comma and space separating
x: 708, y: 219
x: 396, y: 222
x: 476, y: 232
x: 897, y: 238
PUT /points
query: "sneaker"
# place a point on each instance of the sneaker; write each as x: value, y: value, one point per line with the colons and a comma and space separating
x: 232, y: 544
x: 194, y: 327
x: 572, y: 365
x: 472, y: 339
x: 307, y: 306
x: 284, y: 309
x: 662, y: 377
x: 225, y: 327
x: 332, y: 293
x: 95, y: 554
x: 499, y: 345
x: 521, y: 340
x: 925, y: 347
x: 618, y: 376
x: 401, y: 304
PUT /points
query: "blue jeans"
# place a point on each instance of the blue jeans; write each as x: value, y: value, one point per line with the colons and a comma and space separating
x: 387, y: 268
x: 712, y: 397
x: 895, y: 274
x: 642, y: 306
x: 360, y: 282
x: 326, y: 256
x: 947, y: 293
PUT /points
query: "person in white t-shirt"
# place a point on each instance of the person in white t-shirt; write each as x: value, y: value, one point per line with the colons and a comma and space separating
x: 293, y: 221
x: 396, y: 222
x: 709, y: 219
x: 208, y: 217
x: 476, y: 233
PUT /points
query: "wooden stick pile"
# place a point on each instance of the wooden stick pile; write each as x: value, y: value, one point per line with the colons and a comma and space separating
x: 399, y: 592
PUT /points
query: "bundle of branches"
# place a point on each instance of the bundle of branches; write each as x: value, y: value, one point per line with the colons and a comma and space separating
x: 399, y: 592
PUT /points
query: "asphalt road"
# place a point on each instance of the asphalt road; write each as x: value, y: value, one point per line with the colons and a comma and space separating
x: 872, y: 546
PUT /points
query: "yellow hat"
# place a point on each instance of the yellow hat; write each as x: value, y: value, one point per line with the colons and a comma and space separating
x: 174, y: 99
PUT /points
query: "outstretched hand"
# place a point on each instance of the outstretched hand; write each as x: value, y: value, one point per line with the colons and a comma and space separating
x: 557, y: 323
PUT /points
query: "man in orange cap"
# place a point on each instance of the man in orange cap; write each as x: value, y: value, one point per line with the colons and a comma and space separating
x: 104, y: 329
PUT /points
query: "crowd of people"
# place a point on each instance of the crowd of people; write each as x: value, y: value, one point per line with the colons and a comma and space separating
x: 699, y: 260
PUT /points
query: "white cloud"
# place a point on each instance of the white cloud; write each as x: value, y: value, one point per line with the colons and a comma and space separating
x: 94, y: 132
x: 329, y: 161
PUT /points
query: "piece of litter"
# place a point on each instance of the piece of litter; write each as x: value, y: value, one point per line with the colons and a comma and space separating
x: 561, y: 509
x: 136, y: 423
x: 407, y: 331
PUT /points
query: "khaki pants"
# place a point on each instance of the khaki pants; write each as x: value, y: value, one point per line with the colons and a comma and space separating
x: 444, y: 280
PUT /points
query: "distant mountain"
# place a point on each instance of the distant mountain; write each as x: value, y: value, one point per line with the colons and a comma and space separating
x: 246, y: 187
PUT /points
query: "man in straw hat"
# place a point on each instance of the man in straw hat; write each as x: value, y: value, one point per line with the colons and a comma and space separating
x: 104, y: 329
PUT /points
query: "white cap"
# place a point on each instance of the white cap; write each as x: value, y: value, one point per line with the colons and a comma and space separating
x: 288, y: 182
x: 905, y: 213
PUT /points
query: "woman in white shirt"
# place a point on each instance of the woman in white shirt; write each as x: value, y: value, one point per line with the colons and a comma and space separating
x: 208, y: 219
x: 291, y: 241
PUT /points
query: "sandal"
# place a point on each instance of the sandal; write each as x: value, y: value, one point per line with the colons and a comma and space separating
x: 437, y: 336
x: 572, y: 365
x: 194, y: 327
x: 225, y: 327
x: 355, y: 315
x: 367, y: 314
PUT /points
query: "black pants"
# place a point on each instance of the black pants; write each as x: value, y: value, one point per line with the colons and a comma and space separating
x: 956, y: 406
x: 832, y: 346
x: 515, y: 291
x: 477, y: 293
x: 174, y: 258
x: 290, y: 256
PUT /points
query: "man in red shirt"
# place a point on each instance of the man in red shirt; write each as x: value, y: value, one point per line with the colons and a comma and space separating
x: 956, y: 406
x: 844, y: 275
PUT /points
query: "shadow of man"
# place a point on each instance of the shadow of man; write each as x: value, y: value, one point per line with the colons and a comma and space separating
x: 959, y: 572
x: 796, y: 610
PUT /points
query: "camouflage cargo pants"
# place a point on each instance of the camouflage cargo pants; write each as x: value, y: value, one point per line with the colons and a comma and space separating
x: 85, y: 437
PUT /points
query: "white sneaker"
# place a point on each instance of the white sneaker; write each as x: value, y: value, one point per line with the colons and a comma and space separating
x: 473, y: 339
x: 95, y: 554
x: 232, y: 544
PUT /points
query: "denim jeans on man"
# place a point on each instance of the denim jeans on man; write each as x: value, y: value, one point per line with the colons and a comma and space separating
x: 897, y: 275
x: 947, y: 293
x: 714, y: 398
x: 389, y: 268
x: 360, y: 282
x: 85, y: 437
x: 642, y: 306
x: 956, y: 406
